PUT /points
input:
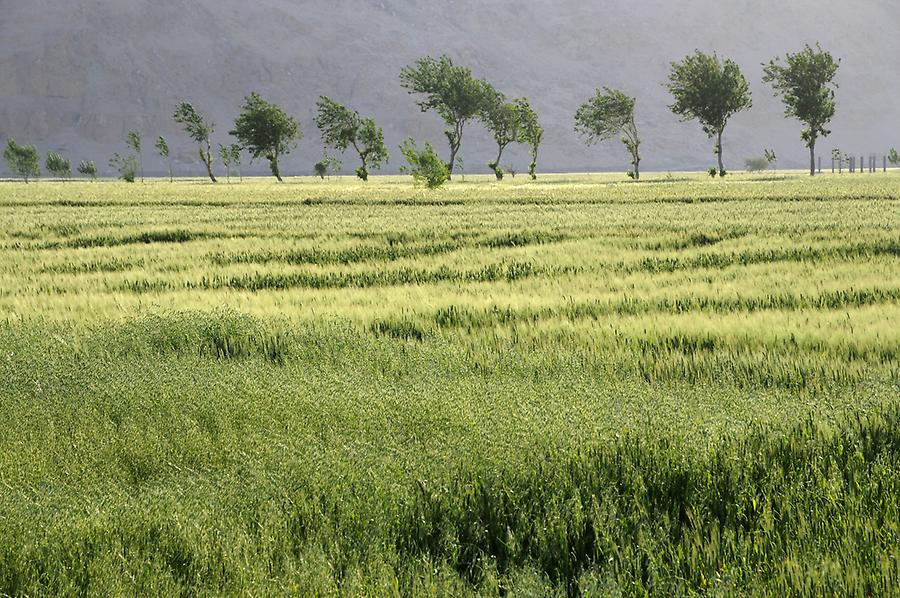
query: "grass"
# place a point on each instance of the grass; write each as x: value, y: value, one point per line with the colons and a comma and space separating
x: 575, y: 387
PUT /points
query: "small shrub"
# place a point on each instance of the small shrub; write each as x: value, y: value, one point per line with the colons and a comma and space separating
x: 425, y: 166
x: 757, y: 164
x: 327, y: 165
x: 126, y: 166
x: 713, y: 171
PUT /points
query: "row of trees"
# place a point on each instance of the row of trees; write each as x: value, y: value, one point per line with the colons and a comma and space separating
x: 705, y: 88
x: 711, y: 90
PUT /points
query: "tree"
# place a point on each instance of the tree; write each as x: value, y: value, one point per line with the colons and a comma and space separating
x: 58, y: 166
x: 199, y: 130
x: 894, y: 157
x: 806, y: 86
x: 87, y: 168
x: 225, y: 157
x: 530, y: 132
x: 342, y: 128
x: 126, y: 166
x: 266, y: 131
x: 162, y: 148
x: 770, y: 157
x: 328, y: 164
x: 425, y: 166
x: 235, y: 157
x: 23, y: 160
x: 449, y: 90
x: 503, y: 120
x: 711, y: 91
x: 134, y: 141
x: 609, y: 113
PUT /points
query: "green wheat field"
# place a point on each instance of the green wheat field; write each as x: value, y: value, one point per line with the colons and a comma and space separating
x: 572, y: 387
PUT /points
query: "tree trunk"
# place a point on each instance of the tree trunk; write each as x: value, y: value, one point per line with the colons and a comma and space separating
x: 274, y: 164
x: 497, y: 171
x: 637, y: 168
x: 208, y: 162
x: 453, y: 149
x: 812, y: 157
x: 719, y: 152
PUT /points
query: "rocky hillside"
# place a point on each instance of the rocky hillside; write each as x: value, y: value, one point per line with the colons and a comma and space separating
x: 76, y: 75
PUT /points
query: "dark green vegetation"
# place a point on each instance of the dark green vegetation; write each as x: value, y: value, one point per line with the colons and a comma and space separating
x: 266, y: 131
x: 342, y: 129
x: 806, y: 83
x: 575, y: 387
x: 608, y: 114
x: 709, y: 90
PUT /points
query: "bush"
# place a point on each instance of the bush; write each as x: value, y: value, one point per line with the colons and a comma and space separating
x: 713, y: 171
x: 425, y: 166
x: 757, y: 164
x: 894, y: 157
x: 127, y: 166
x: 327, y: 165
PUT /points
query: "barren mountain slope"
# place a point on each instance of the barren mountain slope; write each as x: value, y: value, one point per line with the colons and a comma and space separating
x: 75, y: 76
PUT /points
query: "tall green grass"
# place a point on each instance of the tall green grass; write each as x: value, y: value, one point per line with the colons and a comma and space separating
x: 578, y: 387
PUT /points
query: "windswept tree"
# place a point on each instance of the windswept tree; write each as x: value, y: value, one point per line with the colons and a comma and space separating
x: 225, y: 158
x: 22, y: 160
x: 806, y: 86
x: 88, y: 168
x: 451, y: 91
x: 266, y: 131
x: 503, y: 120
x: 135, y: 141
x: 200, y: 130
x: 58, y: 165
x: 711, y: 91
x: 234, y: 151
x: 608, y: 114
x: 162, y: 148
x: 530, y: 132
x: 342, y: 128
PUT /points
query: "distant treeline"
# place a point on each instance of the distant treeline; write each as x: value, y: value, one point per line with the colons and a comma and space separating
x: 705, y: 88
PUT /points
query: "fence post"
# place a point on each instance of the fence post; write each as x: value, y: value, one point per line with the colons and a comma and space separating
x: 884, y: 162
x: 820, y: 164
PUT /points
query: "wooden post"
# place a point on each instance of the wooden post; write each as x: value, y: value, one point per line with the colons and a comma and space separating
x: 884, y: 163
x: 820, y: 164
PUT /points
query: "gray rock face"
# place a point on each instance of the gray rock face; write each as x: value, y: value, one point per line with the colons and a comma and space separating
x: 76, y: 75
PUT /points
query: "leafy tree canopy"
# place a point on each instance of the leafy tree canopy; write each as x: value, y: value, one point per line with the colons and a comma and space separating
x: 342, y: 128
x: 266, y: 131
x: 23, y: 160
